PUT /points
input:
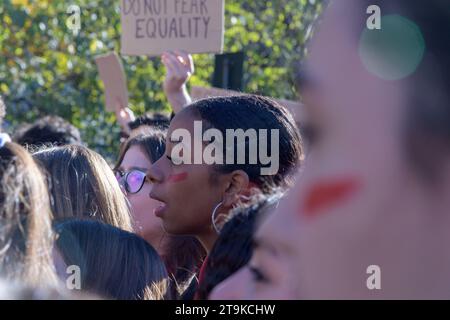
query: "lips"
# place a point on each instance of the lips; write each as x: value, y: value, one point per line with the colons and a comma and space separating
x: 159, y: 211
x: 162, y: 206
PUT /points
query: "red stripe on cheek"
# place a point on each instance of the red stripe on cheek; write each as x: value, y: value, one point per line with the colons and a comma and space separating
x: 325, y: 195
x: 178, y: 177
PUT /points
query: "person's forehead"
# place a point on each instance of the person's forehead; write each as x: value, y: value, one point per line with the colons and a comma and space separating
x: 181, y: 120
x: 325, y: 65
x: 335, y: 42
x: 135, y: 156
x: 277, y: 234
x: 344, y: 91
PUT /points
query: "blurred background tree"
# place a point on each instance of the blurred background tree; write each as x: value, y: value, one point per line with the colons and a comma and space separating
x: 46, y: 69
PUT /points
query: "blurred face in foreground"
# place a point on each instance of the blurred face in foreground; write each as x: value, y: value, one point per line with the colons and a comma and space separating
x: 358, y: 201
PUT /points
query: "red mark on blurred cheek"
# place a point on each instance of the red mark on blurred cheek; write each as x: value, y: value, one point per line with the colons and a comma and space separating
x: 325, y: 195
x: 178, y: 177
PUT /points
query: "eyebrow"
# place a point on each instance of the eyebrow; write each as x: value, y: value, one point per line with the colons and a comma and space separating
x: 261, y: 244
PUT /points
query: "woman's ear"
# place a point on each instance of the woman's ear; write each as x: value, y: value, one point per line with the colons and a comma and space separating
x: 238, y: 182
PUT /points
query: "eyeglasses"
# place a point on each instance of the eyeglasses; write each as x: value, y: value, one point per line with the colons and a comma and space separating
x: 132, y: 180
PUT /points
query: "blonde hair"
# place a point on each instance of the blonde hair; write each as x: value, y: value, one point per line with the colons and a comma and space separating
x: 84, y: 186
x: 26, y: 236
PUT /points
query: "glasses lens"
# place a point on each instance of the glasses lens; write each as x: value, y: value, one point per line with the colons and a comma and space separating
x: 135, y: 181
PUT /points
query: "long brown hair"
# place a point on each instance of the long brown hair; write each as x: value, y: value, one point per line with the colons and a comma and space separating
x: 26, y: 236
x: 113, y: 263
x: 184, y: 254
x: 83, y: 186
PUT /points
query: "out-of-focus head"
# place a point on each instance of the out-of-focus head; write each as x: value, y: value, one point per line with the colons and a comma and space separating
x: 48, y: 130
x: 25, y: 219
x: 149, y: 122
x: 82, y: 185
x: 372, y: 200
x: 233, y: 249
x: 113, y: 263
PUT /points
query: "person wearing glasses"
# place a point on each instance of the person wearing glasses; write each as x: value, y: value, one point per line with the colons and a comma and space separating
x: 135, y: 157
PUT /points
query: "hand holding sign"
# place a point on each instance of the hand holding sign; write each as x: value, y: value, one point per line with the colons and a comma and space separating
x: 116, y: 93
x: 113, y: 77
x: 179, y: 68
x: 151, y: 27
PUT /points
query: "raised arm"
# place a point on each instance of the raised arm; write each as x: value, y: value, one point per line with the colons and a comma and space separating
x: 179, y: 68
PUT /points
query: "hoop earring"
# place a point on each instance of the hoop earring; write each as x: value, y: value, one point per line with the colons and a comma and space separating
x: 213, y: 217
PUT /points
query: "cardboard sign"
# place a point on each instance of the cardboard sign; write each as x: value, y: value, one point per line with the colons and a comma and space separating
x: 113, y: 77
x: 197, y: 93
x: 151, y: 27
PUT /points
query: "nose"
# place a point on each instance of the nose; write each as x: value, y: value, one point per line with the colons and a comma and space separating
x: 154, y: 173
x: 232, y: 288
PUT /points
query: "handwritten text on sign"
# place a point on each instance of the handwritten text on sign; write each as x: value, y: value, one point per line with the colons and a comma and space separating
x: 150, y: 27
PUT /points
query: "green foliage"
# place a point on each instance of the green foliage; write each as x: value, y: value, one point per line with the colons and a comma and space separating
x: 46, y: 69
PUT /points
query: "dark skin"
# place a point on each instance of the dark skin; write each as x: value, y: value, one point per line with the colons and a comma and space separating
x: 188, y: 202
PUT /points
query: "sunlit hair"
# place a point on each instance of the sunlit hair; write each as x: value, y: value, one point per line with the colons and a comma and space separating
x: 26, y: 236
x: 113, y: 263
x: 83, y: 186
x: 15, y: 290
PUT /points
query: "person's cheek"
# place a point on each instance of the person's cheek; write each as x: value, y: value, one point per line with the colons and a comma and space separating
x: 137, y: 208
x: 232, y: 288
x: 178, y: 177
x: 325, y: 195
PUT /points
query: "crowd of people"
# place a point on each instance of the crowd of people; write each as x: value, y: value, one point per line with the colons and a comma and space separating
x: 363, y: 181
